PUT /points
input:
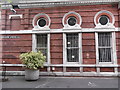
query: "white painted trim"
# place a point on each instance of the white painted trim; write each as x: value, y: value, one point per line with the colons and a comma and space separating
x: 48, y: 46
x: 48, y: 53
x: 98, y: 70
x: 116, y: 70
x: 108, y: 25
x: 65, y: 51
x: 59, y: 31
x: 97, y: 55
x: 114, y: 48
x: 34, y: 41
x: 37, y: 27
x: 34, y: 46
x: 11, y: 65
x: 16, y: 15
x: 49, y: 3
x: 69, y: 65
x: 96, y: 44
x: 114, y: 58
x: 0, y: 18
x: 80, y: 48
x: 82, y: 1
x: 65, y: 74
x: 67, y: 26
x: 80, y: 52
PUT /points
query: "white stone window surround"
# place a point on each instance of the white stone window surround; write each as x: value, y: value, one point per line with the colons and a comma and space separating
x: 113, y: 52
x: 34, y: 45
x: 36, y: 19
x: 65, y: 50
x: 109, y: 24
x: 105, y: 28
x: 67, y: 26
x: 16, y: 15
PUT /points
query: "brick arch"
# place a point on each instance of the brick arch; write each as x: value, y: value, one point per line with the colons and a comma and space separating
x: 69, y: 14
x: 104, y: 12
x: 41, y: 15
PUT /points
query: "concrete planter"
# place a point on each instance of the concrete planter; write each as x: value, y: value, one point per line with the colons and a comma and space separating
x: 31, y: 74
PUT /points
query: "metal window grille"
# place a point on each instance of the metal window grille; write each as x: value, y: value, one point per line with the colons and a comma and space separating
x: 42, y: 44
x: 72, y: 47
x: 105, y: 47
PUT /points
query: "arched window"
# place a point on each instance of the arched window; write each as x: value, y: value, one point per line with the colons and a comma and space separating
x: 71, y: 20
x: 104, y: 19
x: 41, y: 21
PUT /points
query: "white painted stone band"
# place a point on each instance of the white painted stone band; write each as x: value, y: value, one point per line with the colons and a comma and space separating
x: 66, y: 73
x: 60, y: 31
x: 68, y: 65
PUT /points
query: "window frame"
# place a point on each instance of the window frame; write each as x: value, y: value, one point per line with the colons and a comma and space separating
x: 107, y: 19
x: 65, y: 48
x: 69, y: 19
x: 113, y: 49
x: 34, y: 45
x: 39, y: 20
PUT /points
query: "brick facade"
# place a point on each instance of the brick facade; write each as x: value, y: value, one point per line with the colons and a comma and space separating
x: 13, y: 47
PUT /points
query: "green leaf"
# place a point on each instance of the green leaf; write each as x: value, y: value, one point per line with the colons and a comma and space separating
x: 33, y: 60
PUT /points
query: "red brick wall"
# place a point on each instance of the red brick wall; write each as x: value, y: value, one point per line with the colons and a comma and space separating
x: 90, y: 69
x: 13, y: 47
x: 72, y: 69
x: 56, y: 14
x: 88, y: 48
x: 56, y: 48
x: 106, y: 69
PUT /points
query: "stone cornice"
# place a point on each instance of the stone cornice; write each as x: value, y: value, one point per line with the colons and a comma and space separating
x: 53, y: 3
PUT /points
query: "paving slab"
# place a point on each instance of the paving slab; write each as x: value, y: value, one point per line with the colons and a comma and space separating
x: 61, y: 82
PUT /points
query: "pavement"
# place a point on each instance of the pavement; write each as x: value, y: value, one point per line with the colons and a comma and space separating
x: 61, y: 82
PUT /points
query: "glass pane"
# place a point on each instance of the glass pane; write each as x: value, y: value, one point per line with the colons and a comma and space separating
x: 104, y: 39
x: 42, y: 22
x: 72, y: 40
x: 42, y: 40
x: 72, y: 21
x: 72, y: 55
x: 42, y: 44
x: 44, y: 51
x: 104, y: 54
x: 103, y: 20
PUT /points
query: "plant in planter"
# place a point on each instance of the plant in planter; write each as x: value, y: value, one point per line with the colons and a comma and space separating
x: 32, y: 61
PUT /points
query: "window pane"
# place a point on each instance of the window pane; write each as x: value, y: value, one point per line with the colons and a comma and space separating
x: 72, y: 55
x: 72, y: 47
x: 42, y: 40
x: 104, y: 47
x: 42, y: 44
x: 104, y: 55
x: 104, y: 20
x: 104, y: 39
x: 72, y: 40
